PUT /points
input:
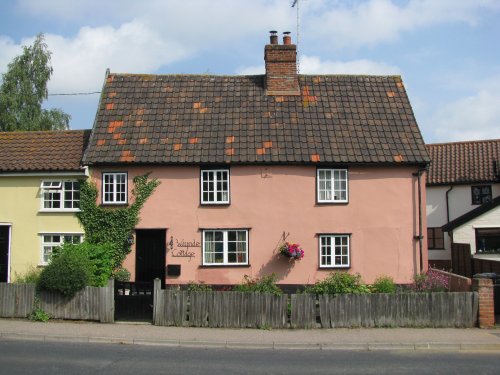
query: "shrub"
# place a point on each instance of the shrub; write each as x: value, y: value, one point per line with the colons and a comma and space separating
x: 67, y: 273
x: 339, y: 283
x: 266, y: 284
x: 383, y: 284
x: 430, y: 281
x: 31, y: 276
x: 121, y: 274
x: 198, y: 287
x: 100, y: 259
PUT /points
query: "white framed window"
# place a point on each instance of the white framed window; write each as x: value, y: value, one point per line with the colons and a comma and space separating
x: 334, y: 251
x: 214, y: 186
x: 332, y: 185
x: 60, y: 195
x: 225, y: 247
x: 114, y: 188
x: 52, y: 240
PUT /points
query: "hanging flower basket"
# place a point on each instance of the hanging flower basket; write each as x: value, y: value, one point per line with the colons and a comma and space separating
x: 291, y: 250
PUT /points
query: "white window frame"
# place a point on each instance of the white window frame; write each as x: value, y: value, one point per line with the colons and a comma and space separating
x: 50, y: 187
x: 333, y: 183
x: 53, y: 244
x: 114, y: 192
x: 215, y: 191
x: 333, y: 249
x: 225, y: 241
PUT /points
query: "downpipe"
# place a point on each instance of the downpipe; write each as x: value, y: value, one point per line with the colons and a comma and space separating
x: 419, y: 235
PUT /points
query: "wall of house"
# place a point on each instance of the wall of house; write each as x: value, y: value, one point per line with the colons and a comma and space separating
x: 460, y: 202
x: 20, y: 204
x: 381, y: 216
x: 466, y: 233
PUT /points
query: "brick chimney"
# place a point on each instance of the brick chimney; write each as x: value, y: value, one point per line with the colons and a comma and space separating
x: 281, y: 66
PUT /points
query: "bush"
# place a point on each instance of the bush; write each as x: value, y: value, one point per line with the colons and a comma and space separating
x: 100, y: 259
x: 67, y: 273
x: 121, y: 274
x: 198, y: 287
x: 266, y: 284
x: 430, y: 281
x: 383, y: 284
x: 31, y: 276
x: 339, y: 283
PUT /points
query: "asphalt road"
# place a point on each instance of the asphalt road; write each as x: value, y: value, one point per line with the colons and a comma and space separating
x: 35, y: 357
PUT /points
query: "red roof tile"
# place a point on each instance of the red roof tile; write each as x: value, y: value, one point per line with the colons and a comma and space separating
x: 42, y: 151
x: 464, y: 162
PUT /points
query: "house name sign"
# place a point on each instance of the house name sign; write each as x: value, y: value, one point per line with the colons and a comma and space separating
x: 182, y: 248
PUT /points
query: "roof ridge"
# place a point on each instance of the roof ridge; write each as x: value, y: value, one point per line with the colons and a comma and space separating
x: 464, y: 142
x: 251, y: 75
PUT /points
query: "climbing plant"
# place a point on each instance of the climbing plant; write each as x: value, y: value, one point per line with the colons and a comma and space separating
x: 113, y: 225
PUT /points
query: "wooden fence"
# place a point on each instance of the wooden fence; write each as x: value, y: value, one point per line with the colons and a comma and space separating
x: 219, y: 309
x: 18, y: 300
x: 464, y: 264
x: 252, y: 310
x: 456, y: 283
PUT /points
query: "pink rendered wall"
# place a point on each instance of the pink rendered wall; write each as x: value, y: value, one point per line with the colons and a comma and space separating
x: 382, y: 217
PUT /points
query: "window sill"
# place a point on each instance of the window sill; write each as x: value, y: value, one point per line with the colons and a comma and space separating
x: 225, y: 266
x: 60, y: 210
x: 332, y: 203
x: 115, y: 205
x: 334, y: 268
x: 214, y: 204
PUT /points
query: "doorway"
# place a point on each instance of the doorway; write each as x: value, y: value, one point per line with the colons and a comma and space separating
x: 150, y: 255
x: 4, y: 253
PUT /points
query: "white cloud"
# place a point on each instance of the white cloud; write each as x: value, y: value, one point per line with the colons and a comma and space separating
x: 80, y: 62
x: 358, y: 23
x: 469, y: 118
x: 8, y: 50
x: 314, y: 65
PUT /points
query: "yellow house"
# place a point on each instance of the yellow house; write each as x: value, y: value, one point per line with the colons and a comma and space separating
x: 39, y: 196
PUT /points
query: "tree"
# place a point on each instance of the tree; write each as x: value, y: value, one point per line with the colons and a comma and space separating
x: 24, y: 88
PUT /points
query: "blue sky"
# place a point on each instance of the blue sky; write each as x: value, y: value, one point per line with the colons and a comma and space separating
x: 447, y: 51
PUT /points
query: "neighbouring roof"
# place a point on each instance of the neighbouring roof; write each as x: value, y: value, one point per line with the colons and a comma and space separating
x: 42, y: 151
x: 468, y: 216
x: 464, y: 162
x: 173, y: 119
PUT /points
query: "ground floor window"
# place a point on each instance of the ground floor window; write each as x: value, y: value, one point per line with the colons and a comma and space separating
x: 435, y: 238
x: 50, y: 241
x: 488, y: 240
x: 225, y: 247
x: 334, y: 250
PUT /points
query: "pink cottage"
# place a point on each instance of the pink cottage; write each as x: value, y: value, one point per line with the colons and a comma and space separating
x: 335, y: 163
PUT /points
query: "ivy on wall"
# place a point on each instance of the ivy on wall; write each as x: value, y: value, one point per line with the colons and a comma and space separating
x: 113, y: 225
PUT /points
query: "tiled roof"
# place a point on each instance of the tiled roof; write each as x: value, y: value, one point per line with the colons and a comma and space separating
x: 230, y: 119
x: 464, y: 162
x: 42, y: 151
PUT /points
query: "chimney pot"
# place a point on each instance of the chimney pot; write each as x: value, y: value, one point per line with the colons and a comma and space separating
x: 287, y: 39
x: 273, y: 37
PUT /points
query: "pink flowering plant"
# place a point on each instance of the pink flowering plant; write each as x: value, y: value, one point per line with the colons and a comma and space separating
x: 292, y: 250
x: 430, y: 281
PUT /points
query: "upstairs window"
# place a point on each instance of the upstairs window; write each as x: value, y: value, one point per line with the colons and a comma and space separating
x: 214, y: 186
x: 114, y: 188
x: 60, y: 195
x: 332, y: 186
x: 481, y: 194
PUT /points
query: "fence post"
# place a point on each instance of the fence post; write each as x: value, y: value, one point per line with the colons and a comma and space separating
x: 484, y: 287
x: 107, y: 302
x: 156, y: 300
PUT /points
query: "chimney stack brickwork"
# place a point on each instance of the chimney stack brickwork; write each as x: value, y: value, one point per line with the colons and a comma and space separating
x: 281, y: 69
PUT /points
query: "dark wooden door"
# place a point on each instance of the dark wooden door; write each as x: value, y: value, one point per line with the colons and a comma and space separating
x: 150, y: 255
x: 4, y: 253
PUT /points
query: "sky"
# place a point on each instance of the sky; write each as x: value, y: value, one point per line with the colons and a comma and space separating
x: 447, y: 51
